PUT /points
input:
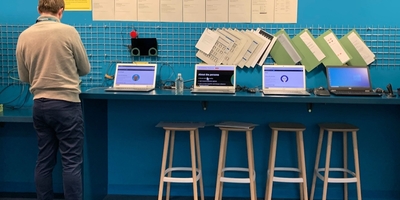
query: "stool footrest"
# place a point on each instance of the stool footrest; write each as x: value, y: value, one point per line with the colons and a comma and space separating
x: 180, y: 179
x: 337, y: 180
x: 287, y: 179
x: 236, y: 180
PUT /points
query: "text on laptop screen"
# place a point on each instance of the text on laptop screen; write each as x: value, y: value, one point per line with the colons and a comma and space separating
x: 283, y: 77
x: 135, y: 75
x: 348, y: 77
x: 215, y: 75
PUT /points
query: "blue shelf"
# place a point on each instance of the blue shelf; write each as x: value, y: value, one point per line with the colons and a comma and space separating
x: 158, y: 94
x: 17, y: 115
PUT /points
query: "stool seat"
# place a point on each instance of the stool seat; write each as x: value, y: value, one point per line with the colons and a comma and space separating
x: 180, y: 125
x: 323, y: 172
x: 225, y: 128
x: 166, y: 172
x: 232, y: 125
x: 338, y: 127
x: 298, y: 128
x: 287, y: 126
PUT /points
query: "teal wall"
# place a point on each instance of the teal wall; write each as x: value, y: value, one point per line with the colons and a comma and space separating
x: 136, y: 147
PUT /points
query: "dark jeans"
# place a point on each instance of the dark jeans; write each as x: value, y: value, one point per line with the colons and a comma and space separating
x: 59, y: 127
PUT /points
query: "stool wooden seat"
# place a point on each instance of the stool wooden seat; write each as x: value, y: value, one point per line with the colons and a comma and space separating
x: 225, y: 128
x: 301, y: 169
x: 331, y: 128
x: 166, y: 173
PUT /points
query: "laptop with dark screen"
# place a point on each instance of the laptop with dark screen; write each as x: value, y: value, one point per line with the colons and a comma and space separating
x: 214, y: 79
x: 349, y: 81
x: 131, y: 77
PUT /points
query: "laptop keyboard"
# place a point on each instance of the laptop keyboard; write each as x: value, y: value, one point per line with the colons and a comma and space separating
x: 356, y: 93
x: 212, y: 91
x: 286, y: 92
x: 128, y: 89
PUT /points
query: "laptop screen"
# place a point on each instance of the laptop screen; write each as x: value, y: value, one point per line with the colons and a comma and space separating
x: 282, y: 77
x: 135, y: 75
x: 215, y: 76
x: 348, y: 77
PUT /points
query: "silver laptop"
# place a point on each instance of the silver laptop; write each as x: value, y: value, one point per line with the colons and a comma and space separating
x: 214, y: 79
x: 284, y: 80
x: 130, y: 77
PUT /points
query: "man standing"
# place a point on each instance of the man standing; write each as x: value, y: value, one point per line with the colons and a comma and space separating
x: 51, y: 57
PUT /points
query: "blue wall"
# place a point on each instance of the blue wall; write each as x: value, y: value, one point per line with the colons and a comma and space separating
x: 136, y: 147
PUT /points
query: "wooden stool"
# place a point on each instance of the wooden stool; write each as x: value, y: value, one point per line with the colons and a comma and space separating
x: 302, y: 179
x: 166, y: 174
x: 239, y: 127
x: 331, y: 128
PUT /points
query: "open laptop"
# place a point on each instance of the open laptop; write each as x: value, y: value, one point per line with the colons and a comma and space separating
x: 284, y: 80
x: 130, y: 77
x: 214, y: 79
x: 349, y: 81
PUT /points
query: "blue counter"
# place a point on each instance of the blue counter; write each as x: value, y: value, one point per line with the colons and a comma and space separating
x: 123, y: 147
x: 169, y: 95
x: 122, y: 153
x: 16, y: 115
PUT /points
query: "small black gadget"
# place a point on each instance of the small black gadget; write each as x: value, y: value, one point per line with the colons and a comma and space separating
x: 321, y: 91
x: 144, y: 47
x: 390, y: 91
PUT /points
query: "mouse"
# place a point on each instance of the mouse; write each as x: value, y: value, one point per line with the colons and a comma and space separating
x: 321, y: 88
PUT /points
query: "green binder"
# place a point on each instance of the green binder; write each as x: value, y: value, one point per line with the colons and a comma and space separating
x: 309, y: 50
x: 283, y: 51
x: 335, y: 53
x: 359, y: 51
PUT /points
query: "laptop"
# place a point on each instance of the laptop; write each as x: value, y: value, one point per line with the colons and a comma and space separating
x: 130, y: 77
x: 214, y: 79
x: 284, y: 80
x: 349, y: 81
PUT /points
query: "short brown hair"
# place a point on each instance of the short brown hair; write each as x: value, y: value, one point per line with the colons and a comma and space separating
x: 50, y: 6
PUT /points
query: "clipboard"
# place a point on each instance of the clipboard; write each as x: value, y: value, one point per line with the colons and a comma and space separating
x: 283, y: 51
x: 335, y: 53
x: 309, y: 50
x: 359, y: 51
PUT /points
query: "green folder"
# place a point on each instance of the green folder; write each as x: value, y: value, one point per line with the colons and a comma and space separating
x: 283, y: 51
x: 328, y: 41
x: 348, y: 42
x: 310, y: 58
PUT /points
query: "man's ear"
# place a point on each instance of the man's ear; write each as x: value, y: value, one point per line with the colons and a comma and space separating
x: 60, y: 13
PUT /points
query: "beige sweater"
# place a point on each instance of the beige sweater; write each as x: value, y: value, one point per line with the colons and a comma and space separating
x: 51, y: 57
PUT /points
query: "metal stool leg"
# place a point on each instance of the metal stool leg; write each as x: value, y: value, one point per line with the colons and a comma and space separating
x: 221, y: 164
x: 250, y: 158
x: 317, y: 157
x: 163, y: 164
x: 170, y: 161
x: 356, y: 164
x: 327, y: 162
x: 299, y: 161
x: 193, y: 159
x: 271, y: 166
x: 199, y: 164
x: 302, y: 165
x: 345, y: 166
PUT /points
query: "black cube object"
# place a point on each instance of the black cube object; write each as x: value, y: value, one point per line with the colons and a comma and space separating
x: 144, y: 47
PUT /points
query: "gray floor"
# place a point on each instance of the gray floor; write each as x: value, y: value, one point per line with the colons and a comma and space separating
x: 122, y: 197
x: 31, y: 196
x: 136, y: 198
x: 133, y: 198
